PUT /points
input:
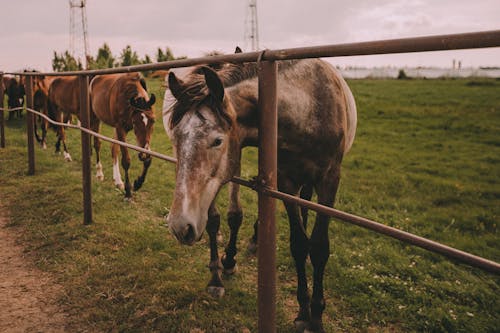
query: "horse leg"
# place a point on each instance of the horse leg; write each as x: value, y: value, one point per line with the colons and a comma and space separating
x: 67, y: 156
x: 299, y: 247
x: 305, y: 193
x: 252, y: 245
x: 234, y: 219
x: 38, y: 120
x: 95, y: 126
x: 121, y: 135
x: 58, y: 141
x: 44, y: 125
x: 117, y: 177
x: 215, y: 286
x: 145, y: 166
x: 320, y: 248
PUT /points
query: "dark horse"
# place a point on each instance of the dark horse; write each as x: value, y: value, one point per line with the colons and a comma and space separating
x: 216, y: 115
x: 15, y: 92
x: 122, y: 101
x: 63, y: 102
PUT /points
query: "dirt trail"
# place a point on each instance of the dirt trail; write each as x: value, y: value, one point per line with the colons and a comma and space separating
x: 28, y: 296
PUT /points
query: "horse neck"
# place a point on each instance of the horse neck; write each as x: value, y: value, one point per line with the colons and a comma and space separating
x: 244, y: 100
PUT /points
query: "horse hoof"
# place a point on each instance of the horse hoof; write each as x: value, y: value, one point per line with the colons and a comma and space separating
x: 137, y: 185
x: 231, y: 271
x: 216, y: 292
x: 309, y: 329
x: 120, y: 186
x: 252, y: 247
x: 100, y: 177
x: 67, y: 157
x: 300, y: 326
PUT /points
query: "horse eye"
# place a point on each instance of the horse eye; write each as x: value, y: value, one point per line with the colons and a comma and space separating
x: 217, y: 142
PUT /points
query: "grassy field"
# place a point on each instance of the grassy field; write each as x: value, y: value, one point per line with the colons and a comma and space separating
x: 426, y: 159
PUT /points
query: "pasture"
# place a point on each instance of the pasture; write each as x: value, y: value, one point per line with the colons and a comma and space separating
x: 425, y: 159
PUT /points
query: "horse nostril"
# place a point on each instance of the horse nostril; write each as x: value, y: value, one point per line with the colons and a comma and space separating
x: 189, y: 235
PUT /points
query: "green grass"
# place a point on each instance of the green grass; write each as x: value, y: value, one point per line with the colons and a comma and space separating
x: 426, y: 160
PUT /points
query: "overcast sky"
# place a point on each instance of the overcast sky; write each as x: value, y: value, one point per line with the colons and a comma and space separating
x: 33, y: 29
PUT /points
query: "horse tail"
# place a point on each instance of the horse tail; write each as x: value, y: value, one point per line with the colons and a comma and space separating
x: 351, y: 111
x: 51, y: 113
x: 352, y: 115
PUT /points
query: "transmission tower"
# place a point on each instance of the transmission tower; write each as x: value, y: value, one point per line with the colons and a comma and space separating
x: 251, y: 26
x: 78, y: 37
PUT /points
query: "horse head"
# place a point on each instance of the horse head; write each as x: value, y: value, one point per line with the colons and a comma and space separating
x: 203, y: 132
x: 143, y: 121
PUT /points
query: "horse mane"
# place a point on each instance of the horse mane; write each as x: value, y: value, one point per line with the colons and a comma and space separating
x: 195, y: 94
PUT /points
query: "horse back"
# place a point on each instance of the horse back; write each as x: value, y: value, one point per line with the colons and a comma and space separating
x: 64, y: 94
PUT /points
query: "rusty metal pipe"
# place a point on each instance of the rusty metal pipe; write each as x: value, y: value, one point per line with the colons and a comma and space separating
x: 86, y: 149
x: 268, y: 149
x: 403, y: 236
x: 30, y: 124
x: 470, y: 40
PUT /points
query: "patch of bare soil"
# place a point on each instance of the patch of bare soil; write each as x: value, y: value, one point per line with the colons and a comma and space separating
x: 28, y: 296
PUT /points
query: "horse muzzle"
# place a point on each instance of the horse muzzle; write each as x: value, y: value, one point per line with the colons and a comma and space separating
x: 184, y: 231
x: 143, y: 157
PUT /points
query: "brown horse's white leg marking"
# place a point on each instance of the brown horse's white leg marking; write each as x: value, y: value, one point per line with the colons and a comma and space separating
x: 99, y: 174
x: 117, y: 177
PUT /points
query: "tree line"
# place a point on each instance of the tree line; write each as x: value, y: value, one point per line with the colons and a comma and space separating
x: 64, y: 61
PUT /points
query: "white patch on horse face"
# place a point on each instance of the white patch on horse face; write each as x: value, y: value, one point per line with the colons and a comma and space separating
x: 144, y: 119
x: 198, y: 170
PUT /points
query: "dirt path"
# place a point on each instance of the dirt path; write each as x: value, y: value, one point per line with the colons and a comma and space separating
x: 28, y: 297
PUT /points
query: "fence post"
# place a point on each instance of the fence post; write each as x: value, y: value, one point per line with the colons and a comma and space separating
x: 268, y: 132
x: 2, y: 119
x: 30, y: 123
x: 86, y: 149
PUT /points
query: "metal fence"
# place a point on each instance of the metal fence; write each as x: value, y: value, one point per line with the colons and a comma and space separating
x: 266, y: 181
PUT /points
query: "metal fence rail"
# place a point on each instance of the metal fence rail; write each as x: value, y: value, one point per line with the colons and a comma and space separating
x: 267, y: 145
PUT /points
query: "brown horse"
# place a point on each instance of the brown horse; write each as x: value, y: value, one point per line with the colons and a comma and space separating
x: 63, y: 102
x: 41, y: 86
x: 216, y: 115
x: 121, y: 101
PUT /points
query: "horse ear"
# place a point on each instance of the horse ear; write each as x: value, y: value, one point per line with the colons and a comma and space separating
x: 238, y: 50
x: 152, y: 100
x: 214, y: 83
x: 174, y: 85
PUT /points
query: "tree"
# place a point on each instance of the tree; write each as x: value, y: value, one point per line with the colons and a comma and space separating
x: 167, y: 56
x: 129, y: 57
x: 65, y: 62
x: 146, y: 60
x: 104, y: 58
